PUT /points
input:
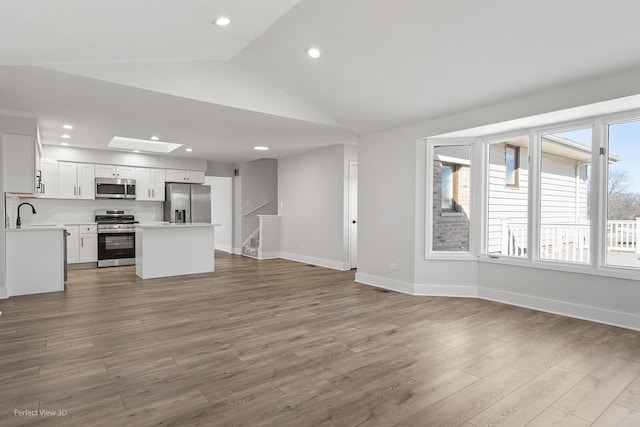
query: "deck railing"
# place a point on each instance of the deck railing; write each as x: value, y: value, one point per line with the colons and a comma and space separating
x: 570, y: 242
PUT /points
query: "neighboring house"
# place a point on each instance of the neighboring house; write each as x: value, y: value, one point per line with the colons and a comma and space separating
x: 564, y: 193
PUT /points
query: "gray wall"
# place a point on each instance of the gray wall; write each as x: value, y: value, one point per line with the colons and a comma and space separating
x: 256, y: 185
x: 313, y: 204
x: 219, y: 169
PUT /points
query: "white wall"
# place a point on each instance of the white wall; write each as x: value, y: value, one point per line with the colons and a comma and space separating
x: 221, y: 210
x: 392, y: 191
x: 85, y: 155
x: 219, y: 169
x: 313, y: 205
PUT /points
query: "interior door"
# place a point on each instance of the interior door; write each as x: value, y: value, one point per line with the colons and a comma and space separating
x: 353, y: 214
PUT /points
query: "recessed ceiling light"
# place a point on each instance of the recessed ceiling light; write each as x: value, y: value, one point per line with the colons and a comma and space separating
x: 154, y: 138
x: 67, y: 127
x: 65, y: 136
x: 222, y: 21
x: 261, y: 148
x: 136, y: 151
x: 313, y: 53
x: 142, y: 145
x: 64, y: 143
x: 189, y: 149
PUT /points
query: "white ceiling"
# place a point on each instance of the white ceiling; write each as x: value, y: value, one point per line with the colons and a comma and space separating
x: 139, y: 67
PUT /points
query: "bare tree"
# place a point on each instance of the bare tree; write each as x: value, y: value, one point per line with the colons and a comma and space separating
x: 621, y: 203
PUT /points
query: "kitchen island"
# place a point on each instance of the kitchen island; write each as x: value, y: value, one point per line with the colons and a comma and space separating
x: 164, y: 249
x: 35, y: 260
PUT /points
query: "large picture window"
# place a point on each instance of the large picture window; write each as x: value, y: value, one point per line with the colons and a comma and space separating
x: 566, y: 197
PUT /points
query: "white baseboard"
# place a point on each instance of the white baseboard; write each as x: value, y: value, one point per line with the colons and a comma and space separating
x: 223, y: 248
x: 594, y: 314
x: 269, y: 255
x: 327, y: 263
x: 384, y: 283
x: 470, y: 291
x: 236, y: 251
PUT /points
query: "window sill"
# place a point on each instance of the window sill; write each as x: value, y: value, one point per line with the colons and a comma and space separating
x: 451, y: 214
x: 587, y: 269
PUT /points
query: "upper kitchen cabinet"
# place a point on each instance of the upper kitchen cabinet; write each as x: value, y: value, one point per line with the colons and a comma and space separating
x: 191, y: 177
x: 150, y: 184
x: 76, y: 180
x: 21, y: 158
x: 48, y: 179
x: 112, y: 171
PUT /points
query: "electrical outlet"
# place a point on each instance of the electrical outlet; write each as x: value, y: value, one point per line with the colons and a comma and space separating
x: 393, y: 266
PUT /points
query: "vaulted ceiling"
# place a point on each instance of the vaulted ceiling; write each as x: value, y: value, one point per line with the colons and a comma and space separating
x: 138, y: 68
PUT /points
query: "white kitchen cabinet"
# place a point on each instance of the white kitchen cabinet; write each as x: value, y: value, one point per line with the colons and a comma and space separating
x: 49, y: 180
x: 88, y: 244
x: 73, y: 246
x: 150, y: 184
x: 86, y: 181
x: 76, y: 180
x: 82, y: 243
x: 21, y: 155
x: 113, y: 171
x: 190, y: 177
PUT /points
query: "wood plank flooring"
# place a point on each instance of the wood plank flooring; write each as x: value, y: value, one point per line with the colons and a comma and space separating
x: 279, y: 343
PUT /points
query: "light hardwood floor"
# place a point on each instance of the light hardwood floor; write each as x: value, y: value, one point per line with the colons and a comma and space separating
x: 279, y: 343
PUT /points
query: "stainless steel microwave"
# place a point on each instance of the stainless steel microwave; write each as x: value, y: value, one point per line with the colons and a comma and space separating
x: 115, y: 188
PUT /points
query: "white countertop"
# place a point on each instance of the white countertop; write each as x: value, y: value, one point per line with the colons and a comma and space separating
x: 173, y: 225
x: 36, y: 228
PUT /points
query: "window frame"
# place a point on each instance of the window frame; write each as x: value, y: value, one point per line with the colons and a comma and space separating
x: 475, y: 220
x: 479, y: 204
x: 516, y: 166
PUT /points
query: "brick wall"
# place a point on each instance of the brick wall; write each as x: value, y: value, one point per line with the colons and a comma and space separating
x: 451, y: 233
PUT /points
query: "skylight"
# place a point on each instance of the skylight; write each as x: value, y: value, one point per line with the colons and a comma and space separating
x: 142, y: 145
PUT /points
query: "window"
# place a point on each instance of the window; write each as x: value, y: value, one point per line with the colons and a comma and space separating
x: 567, y: 196
x: 623, y: 195
x: 508, y: 198
x: 512, y: 165
x: 451, y: 198
x: 565, y: 192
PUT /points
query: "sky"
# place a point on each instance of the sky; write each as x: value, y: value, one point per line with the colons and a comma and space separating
x: 624, y: 141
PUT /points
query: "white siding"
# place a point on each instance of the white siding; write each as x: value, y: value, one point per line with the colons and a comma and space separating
x: 564, y: 198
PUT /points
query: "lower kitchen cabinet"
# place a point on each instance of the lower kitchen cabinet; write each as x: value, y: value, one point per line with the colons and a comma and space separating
x: 82, y: 243
x: 88, y: 247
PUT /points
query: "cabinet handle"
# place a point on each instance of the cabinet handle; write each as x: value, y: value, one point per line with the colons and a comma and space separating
x: 74, y: 191
x: 153, y: 193
x: 79, y: 191
x: 43, y: 188
x: 148, y: 193
x: 82, y: 242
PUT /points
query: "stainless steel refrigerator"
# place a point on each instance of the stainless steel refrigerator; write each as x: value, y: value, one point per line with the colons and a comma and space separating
x: 187, y: 203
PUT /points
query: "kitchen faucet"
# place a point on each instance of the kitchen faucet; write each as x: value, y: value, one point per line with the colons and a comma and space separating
x: 32, y: 209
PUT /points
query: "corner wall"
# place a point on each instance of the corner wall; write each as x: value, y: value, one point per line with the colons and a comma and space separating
x: 313, y: 205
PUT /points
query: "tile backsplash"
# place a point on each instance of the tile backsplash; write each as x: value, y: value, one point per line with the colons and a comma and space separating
x: 54, y: 211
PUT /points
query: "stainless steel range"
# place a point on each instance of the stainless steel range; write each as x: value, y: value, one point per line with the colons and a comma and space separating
x: 116, y: 238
